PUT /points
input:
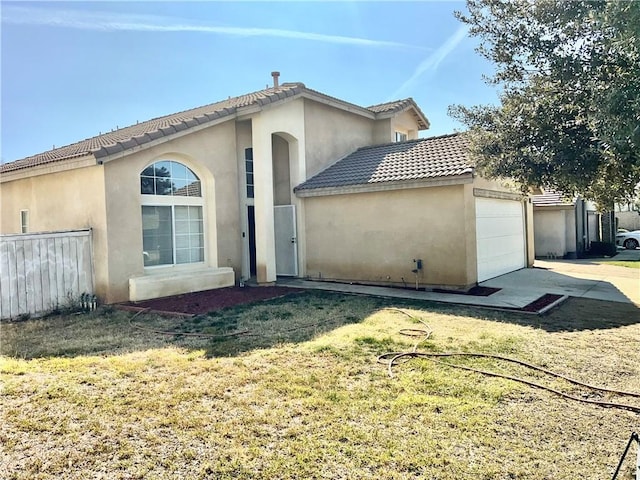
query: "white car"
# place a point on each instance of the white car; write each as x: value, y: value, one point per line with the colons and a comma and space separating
x: 629, y: 240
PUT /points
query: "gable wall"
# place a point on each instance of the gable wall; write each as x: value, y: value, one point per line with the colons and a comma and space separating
x: 331, y: 134
x: 211, y: 154
x: 404, y: 122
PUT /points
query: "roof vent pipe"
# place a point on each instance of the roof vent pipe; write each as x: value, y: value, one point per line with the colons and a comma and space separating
x: 275, y: 76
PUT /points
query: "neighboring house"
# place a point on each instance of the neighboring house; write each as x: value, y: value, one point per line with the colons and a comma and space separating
x: 628, y: 215
x: 283, y: 181
x: 564, y: 228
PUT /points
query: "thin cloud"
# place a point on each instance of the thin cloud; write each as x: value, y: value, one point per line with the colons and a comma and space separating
x: 107, y: 21
x: 433, y: 61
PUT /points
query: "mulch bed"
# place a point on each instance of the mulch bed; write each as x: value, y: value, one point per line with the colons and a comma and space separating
x: 197, y: 303
x: 544, y: 301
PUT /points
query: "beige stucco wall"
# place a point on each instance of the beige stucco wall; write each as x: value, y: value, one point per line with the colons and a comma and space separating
x: 331, y: 134
x: 530, y: 233
x: 404, y: 122
x: 66, y: 200
x: 281, y: 122
x: 374, y: 237
x: 281, y: 171
x: 499, y: 185
x: 554, y: 230
x: 383, y: 132
x: 211, y: 154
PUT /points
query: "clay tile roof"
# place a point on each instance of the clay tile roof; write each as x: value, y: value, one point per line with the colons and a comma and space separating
x: 144, y: 132
x: 434, y: 157
x: 550, y: 198
x: 399, y: 106
x: 394, y: 106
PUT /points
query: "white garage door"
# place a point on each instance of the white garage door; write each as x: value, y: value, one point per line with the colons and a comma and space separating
x: 500, y: 237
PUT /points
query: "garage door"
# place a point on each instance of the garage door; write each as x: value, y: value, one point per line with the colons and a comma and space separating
x: 500, y: 237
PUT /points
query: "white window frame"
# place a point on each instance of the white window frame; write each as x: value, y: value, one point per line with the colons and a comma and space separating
x: 247, y: 173
x: 401, y: 137
x: 148, y: 200
x: 24, y: 221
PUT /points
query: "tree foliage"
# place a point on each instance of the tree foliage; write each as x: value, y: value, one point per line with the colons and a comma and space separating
x: 570, y: 101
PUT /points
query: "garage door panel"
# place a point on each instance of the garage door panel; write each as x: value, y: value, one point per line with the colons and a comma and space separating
x: 487, y: 207
x: 508, y: 245
x: 500, y: 237
x: 499, y: 227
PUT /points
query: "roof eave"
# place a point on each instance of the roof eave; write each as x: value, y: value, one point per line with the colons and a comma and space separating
x: 385, y: 186
x: 422, y: 120
x: 149, y: 140
x: 55, y: 166
x: 337, y: 103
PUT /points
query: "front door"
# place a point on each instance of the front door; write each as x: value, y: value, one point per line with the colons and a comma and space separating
x: 251, y: 224
x: 286, y: 241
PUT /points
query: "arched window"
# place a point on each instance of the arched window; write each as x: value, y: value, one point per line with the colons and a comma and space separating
x: 172, y: 220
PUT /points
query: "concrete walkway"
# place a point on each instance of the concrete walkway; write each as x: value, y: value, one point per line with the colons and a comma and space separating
x: 502, y: 299
x: 576, y: 278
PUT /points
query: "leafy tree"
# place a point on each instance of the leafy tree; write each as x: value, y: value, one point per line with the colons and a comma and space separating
x: 570, y: 100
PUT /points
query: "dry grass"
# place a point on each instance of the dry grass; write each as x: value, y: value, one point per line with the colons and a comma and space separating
x: 302, y: 396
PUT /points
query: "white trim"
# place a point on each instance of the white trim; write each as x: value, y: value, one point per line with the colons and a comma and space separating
x: 166, y: 200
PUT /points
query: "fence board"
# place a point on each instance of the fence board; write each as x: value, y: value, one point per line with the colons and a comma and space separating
x: 39, y: 272
x: 44, y: 276
x: 51, y: 265
x: 5, y: 288
x: 21, y: 291
x: 29, y: 281
x: 58, y: 258
x: 36, y: 276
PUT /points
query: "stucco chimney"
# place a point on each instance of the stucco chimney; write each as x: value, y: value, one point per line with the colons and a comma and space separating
x: 275, y: 76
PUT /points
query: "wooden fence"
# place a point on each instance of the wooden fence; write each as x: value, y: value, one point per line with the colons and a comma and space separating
x: 40, y: 272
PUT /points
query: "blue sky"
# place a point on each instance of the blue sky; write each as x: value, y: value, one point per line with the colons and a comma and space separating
x: 73, y: 69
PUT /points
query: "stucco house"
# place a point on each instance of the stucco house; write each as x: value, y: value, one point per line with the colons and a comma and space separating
x: 564, y: 227
x: 282, y: 181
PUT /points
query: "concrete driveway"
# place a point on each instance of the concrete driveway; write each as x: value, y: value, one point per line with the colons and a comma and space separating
x: 577, y: 278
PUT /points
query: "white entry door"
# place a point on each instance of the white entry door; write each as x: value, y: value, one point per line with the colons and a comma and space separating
x: 500, y: 237
x: 286, y: 240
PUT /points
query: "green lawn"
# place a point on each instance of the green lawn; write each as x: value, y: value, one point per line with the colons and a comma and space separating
x: 623, y: 263
x: 296, y: 393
